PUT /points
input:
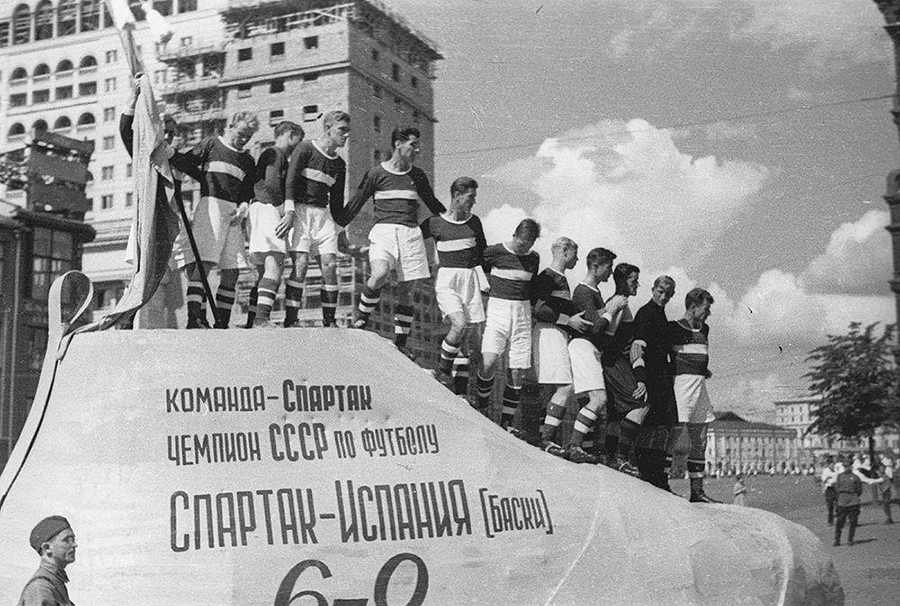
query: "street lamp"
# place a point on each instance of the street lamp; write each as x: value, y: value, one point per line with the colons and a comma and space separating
x: 891, y: 11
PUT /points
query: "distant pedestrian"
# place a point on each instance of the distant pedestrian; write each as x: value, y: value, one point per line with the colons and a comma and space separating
x: 848, y: 487
x: 740, y: 491
x: 829, y: 477
x: 54, y: 541
x: 886, y: 487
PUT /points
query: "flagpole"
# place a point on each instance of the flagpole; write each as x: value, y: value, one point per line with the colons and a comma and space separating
x: 126, y: 35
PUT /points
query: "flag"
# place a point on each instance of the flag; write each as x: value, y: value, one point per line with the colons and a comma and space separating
x: 155, y: 220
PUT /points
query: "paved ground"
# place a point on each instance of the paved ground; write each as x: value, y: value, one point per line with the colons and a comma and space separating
x: 869, y: 570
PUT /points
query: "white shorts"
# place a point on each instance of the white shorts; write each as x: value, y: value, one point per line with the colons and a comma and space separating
x: 456, y: 290
x: 587, y: 371
x: 402, y: 247
x: 508, y: 323
x: 218, y: 240
x: 550, y: 352
x: 264, y: 219
x: 314, y: 232
x: 694, y: 405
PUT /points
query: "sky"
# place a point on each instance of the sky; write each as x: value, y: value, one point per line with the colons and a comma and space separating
x: 737, y: 145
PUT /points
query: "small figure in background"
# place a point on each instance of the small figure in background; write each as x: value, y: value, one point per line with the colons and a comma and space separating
x: 740, y: 491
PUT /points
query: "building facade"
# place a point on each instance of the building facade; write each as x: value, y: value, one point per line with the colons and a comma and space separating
x: 797, y: 415
x: 737, y: 445
x: 39, y: 240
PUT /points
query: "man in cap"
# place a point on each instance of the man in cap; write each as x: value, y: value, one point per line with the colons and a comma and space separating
x: 54, y: 541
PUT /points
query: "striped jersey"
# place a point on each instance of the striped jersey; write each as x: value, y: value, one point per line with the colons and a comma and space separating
x: 619, y: 336
x: 650, y: 330
x: 271, y: 169
x: 225, y: 174
x: 459, y: 244
x: 552, y: 298
x: 690, y: 347
x: 510, y: 275
x: 587, y: 299
x: 397, y: 196
x: 316, y: 179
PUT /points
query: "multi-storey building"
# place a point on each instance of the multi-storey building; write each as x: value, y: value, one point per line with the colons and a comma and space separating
x: 797, y: 415
x: 63, y: 68
x: 40, y: 239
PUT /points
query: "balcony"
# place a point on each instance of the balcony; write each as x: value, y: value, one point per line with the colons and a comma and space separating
x: 190, y: 116
x: 188, y: 85
x: 169, y: 55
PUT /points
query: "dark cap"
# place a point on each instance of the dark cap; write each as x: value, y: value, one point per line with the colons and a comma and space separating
x: 46, y: 529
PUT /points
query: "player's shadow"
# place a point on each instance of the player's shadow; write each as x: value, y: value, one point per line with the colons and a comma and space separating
x: 861, y: 541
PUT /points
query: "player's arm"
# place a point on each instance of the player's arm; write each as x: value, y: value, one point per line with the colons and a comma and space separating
x: 126, y: 120
x: 336, y: 193
x: 191, y: 162
x: 365, y: 191
x: 639, y: 346
x: 554, y: 310
x: 246, y: 193
x: 706, y: 331
x: 423, y: 188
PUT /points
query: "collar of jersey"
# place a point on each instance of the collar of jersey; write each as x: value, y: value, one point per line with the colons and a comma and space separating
x: 393, y: 172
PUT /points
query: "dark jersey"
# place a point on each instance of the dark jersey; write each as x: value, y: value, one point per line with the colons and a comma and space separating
x: 619, y: 336
x: 690, y: 347
x: 316, y: 179
x: 397, y: 196
x: 587, y: 299
x: 224, y: 173
x: 510, y: 275
x: 552, y: 298
x: 458, y: 243
x: 271, y: 170
x: 650, y: 330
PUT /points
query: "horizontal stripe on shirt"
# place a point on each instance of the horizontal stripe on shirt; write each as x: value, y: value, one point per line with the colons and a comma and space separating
x: 512, y: 274
x: 453, y: 245
x: 691, y: 348
x: 217, y: 166
x: 317, y: 175
x: 561, y: 294
x: 397, y: 194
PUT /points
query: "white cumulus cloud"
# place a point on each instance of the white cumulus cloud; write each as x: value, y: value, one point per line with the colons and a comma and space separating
x: 627, y: 187
x: 857, y: 259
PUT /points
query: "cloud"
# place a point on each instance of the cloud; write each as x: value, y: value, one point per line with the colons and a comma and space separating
x: 825, y: 33
x: 779, y: 310
x: 626, y: 186
x: 856, y: 261
x: 846, y: 30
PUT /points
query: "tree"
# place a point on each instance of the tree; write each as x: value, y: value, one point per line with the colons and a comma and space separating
x: 857, y: 377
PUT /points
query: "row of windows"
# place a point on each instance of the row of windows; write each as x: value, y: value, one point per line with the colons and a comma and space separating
x: 64, y: 123
x: 73, y: 16
x: 107, y: 201
x: 64, y: 68
x: 85, y: 89
x: 276, y: 49
x: 311, y: 113
x: 395, y: 70
x: 275, y: 86
x: 399, y: 106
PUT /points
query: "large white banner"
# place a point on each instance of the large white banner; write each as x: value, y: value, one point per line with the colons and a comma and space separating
x: 322, y: 467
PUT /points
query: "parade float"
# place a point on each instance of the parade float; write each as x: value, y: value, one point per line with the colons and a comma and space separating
x: 321, y: 466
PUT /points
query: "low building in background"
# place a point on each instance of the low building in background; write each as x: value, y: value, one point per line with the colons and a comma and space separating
x: 737, y: 445
x: 797, y: 415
